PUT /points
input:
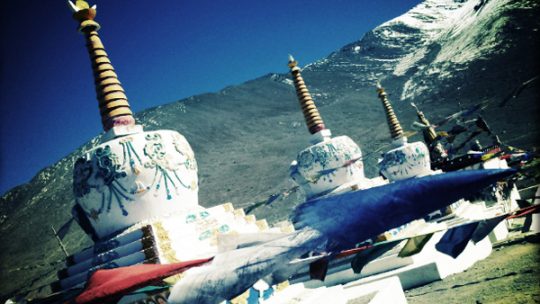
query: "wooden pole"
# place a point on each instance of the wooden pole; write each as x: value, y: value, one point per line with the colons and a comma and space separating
x: 60, y: 242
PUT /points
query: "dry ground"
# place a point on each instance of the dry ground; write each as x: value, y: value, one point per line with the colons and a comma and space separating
x: 509, y: 275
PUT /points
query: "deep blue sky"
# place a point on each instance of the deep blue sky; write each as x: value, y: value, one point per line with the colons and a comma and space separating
x: 163, y: 51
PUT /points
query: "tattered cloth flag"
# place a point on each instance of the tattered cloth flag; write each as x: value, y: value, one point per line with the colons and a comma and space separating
x: 369, y: 212
x: 456, y: 239
x: 365, y: 257
x: 463, y: 113
x: 414, y: 245
x: 485, y: 227
x: 107, y: 285
x: 61, y: 233
x: 318, y: 269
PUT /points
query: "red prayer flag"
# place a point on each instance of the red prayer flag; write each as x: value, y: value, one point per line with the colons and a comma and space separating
x: 110, y: 284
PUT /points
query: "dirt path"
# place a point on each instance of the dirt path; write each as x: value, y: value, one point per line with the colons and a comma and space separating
x: 511, y: 274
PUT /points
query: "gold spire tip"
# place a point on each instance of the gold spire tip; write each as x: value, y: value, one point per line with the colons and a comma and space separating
x: 380, y: 89
x: 291, y: 58
x: 80, y: 5
x: 292, y: 63
x: 84, y: 14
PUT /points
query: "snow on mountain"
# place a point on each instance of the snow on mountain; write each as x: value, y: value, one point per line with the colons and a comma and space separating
x: 462, y: 30
x: 434, y: 39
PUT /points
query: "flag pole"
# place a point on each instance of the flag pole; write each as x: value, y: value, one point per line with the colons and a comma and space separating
x: 60, y: 242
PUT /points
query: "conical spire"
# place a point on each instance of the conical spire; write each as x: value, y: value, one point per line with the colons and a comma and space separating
x: 430, y: 136
x: 311, y: 114
x: 429, y: 133
x: 395, y: 128
x: 113, y: 103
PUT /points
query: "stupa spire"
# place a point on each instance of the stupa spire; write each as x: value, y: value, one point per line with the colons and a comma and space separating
x: 406, y: 160
x: 393, y: 123
x: 430, y: 136
x: 311, y: 114
x: 429, y: 132
x: 113, y: 103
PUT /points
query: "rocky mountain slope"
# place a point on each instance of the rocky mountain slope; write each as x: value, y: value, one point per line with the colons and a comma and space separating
x: 444, y: 55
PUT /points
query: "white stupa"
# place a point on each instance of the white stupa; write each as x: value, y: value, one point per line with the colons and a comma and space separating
x: 137, y: 192
x: 331, y: 164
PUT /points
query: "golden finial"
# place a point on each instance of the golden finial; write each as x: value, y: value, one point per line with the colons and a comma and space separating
x: 113, y: 103
x: 395, y: 128
x: 85, y: 14
x: 311, y: 114
x: 292, y: 63
x: 82, y: 4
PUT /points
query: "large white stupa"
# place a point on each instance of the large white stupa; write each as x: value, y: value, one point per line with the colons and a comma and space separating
x: 137, y: 192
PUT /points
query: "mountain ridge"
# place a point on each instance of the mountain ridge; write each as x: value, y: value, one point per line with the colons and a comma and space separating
x: 245, y: 136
